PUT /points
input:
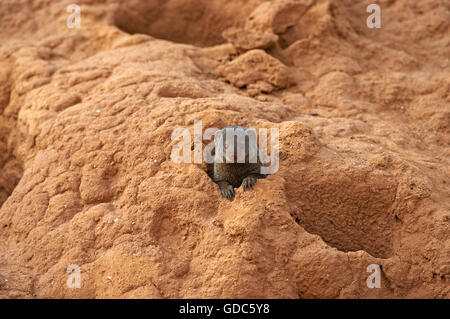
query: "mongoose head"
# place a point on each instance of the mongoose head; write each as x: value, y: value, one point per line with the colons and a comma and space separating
x: 235, y: 144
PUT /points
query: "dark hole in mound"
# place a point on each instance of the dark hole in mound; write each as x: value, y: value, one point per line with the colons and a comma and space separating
x: 11, y: 170
x: 350, y: 212
x: 197, y: 22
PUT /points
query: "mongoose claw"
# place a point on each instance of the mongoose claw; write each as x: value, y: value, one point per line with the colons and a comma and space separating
x: 248, y: 182
x: 227, y: 191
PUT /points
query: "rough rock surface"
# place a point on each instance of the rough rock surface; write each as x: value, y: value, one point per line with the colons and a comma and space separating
x: 244, y: 40
x: 86, y: 117
x: 257, y: 71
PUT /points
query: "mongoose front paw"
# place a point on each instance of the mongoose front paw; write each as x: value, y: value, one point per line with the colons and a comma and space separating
x: 248, y: 182
x: 227, y: 191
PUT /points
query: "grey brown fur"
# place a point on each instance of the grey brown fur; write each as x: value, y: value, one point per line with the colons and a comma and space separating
x: 232, y: 175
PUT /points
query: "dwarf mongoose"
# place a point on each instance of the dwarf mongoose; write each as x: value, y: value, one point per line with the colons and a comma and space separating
x: 237, y: 162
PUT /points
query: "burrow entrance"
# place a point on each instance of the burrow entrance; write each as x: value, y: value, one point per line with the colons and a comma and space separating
x: 349, y: 210
x: 11, y: 169
x: 196, y: 22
